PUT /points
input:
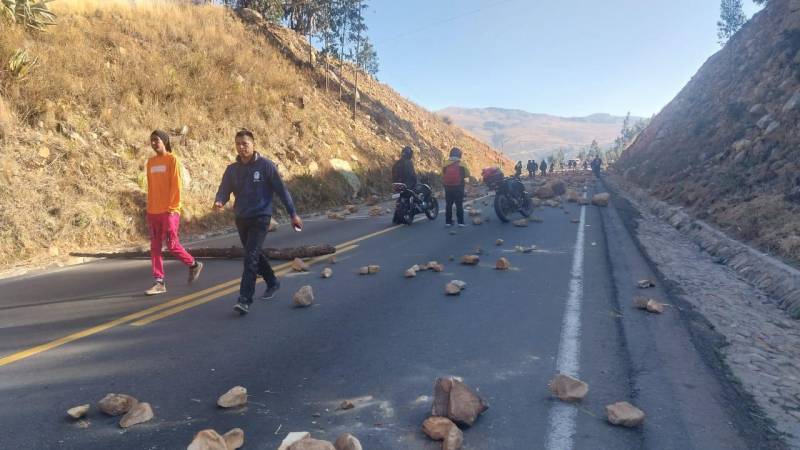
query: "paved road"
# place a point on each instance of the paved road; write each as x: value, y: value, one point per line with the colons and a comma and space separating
x: 71, y: 336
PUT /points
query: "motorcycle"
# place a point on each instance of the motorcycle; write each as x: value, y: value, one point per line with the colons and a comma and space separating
x: 410, y: 203
x: 510, y: 194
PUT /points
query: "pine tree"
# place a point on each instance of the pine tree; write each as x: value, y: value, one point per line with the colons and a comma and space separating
x: 731, y: 19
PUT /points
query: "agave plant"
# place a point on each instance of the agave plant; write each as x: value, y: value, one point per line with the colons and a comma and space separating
x: 31, y: 14
x: 21, y: 63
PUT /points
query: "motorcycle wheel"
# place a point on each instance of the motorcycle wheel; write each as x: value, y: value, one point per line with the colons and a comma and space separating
x: 407, y: 214
x: 527, y: 205
x: 433, y: 209
x: 503, y: 206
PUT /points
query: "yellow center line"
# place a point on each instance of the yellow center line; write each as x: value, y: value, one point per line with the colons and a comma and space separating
x: 222, y: 293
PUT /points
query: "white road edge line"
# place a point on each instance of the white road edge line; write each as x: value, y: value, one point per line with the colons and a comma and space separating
x: 561, y: 427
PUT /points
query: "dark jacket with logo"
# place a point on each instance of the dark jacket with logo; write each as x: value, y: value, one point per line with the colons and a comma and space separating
x: 253, y: 185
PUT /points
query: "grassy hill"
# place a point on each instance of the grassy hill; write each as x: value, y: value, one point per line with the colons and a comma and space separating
x: 522, y: 135
x: 74, y: 131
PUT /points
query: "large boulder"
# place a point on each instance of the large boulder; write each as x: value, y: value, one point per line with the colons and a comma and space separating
x: 601, y: 199
x: 234, y: 438
x: 303, y: 297
x: 454, y: 439
x: 311, y: 444
x: 455, y: 400
x: 437, y: 427
x: 347, y: 442
x: 544, y: 192
x: 558, y: 187
x: 568, y: 389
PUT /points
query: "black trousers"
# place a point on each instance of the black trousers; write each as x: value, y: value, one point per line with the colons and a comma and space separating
x: 252, y: 232
x: 454, y: 194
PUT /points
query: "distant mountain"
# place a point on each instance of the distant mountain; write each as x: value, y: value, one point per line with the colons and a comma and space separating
x: 522, y: 135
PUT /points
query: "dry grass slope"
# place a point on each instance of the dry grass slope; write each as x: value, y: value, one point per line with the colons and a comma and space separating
x: 74, y: 132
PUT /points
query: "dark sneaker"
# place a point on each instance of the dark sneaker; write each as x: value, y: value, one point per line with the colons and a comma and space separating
x: 270, y: 292
x: 194, y: 271
x: 158, y: 288
x: 241, y: 308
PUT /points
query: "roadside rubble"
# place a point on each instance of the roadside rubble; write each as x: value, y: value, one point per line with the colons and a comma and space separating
x: 234, y: 398
x: 303, y: 297
x: 567, y: 388
x: 624, y: 414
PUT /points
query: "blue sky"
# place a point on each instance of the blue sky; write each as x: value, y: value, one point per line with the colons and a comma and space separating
x: 563, y: 57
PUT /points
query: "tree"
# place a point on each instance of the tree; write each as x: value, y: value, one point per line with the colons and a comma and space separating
x: 367, y: 57
x: 731, y: 19
x: 272, y: 10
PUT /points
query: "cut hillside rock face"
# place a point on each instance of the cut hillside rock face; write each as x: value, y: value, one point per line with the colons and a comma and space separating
x: 311, y: 444
x: 470, y: 260
x: 208, y: 440
x: 78, y: 411
x: 520, y: 223
x: 116, y: 404
x: 502, y: 264
x: 298, y: 265
x: 303, y: 297
x: 455, y: 400
x: 568, y: 389
x: 140, y: 413
x: 347, y: 442
x: 601, y: 199
x: 234, y: 439
x: 346, y: 170
x: 437, y: 427
x: 624, y: 414
x: 293, y: 437
x: 327, y: 272
x: 235, y: 397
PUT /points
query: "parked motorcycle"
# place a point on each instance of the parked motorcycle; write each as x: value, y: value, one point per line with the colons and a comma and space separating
x: 410, y: 203
x: 510, y: 194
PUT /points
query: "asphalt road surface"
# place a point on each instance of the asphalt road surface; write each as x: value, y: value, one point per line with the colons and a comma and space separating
x: 68, y: 337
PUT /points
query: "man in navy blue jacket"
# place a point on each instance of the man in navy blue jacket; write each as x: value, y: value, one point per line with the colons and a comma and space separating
x: 253, y: 179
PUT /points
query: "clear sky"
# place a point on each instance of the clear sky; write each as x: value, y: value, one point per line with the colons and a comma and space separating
x: 562, y: 57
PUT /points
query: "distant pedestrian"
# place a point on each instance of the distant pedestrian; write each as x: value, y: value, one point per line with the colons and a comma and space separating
x: 543, y: 167
x: 454, y: 175
x: 163, y: 211
x: 552, y: 166
x: 534, y: 168
x: 585, y: 164
x: 597, y: 163
x: 253, y: 180
x: 518, y: 169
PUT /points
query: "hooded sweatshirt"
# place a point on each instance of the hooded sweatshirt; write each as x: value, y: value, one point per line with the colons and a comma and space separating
x: 253, y: 184
x: 163, y: 184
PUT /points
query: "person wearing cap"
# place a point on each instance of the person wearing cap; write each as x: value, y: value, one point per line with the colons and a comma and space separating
x: 453, y: 175
x: 163, y: 211
x: 403, y: 169
x: 254, y: 180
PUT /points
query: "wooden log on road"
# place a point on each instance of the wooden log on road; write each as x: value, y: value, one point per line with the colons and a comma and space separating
x: 284, y: 254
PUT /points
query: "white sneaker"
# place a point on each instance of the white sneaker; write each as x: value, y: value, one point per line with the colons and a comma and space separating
x: 461, y: 225
x: 448, y: 225
x: 158, y: 288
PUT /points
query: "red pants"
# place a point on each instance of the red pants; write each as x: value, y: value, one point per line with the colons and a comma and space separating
x: 165, y: 227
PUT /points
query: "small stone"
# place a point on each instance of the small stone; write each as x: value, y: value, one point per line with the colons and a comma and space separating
x: 375, y: 211
x: 575, y: 221
x: 347, y: 442
x: 452, y: 289
x: 583, y: 201
x: 332, y: 260
x: 116, y: 404
x: 477, y: 221
x: 363, y: 270
x: 502, y: 264
x: 410, y: 273
x: 327, y: 272
x: 457, y: 401
x: 298, y: 265
x: 436, y: 267
x: 208, y: 440
x: 273, y: 225
x: 293, y: 437
x: 655, y: 307
x: 477, y: 251
x: 640, y: 302
x: 303, y: 297
x: 454, y: 439
x: 624, y: 414
x: 335, y: 216
x: 644, y: 284
x: 474, y: 212
x: 234, y: 438
x: 436, y: 427
x: 568, y: 389
x: 499, y: 242
x: 601, y: 199
x: 140, y: 413
x: 235, y: 397
x: 374, y: 268
x: 461, y: 285
x: 347, y: 404
x: 520, y: 223
x: 352, y: 209
x: 470, y: 260
x: 451, y: 258
x: 78, y: 411
x: 311, y: 444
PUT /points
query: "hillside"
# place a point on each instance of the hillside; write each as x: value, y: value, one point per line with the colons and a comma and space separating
x: 522, y: 135
x: 75, y: 130
x: 727, y: 146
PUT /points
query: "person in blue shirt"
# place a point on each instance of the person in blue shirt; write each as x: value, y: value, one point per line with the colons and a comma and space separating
x: 253, y: 180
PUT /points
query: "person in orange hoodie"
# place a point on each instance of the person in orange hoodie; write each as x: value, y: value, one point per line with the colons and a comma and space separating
x: 163, y: 211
